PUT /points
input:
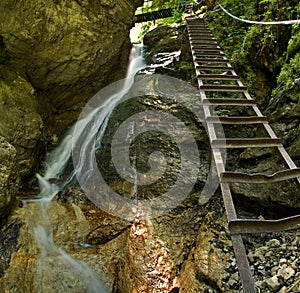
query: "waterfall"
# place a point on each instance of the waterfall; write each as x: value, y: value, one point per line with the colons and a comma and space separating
x: 56, y: 162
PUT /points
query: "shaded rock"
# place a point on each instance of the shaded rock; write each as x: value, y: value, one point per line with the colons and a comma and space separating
x: 9, y: 176
x: 277, y: 196
x: 68, y: 50
x: 168, y: 52
x: 20, y: 122
x: 164, y: 38
x: 208, y: 267
x: 8, y: 244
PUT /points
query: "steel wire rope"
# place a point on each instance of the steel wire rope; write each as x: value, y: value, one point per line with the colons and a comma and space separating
x: 259, y: 22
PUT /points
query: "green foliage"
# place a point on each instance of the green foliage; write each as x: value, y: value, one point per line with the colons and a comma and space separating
x: 258, y: 52
x: 177, y: 17
x: 289, y: 73
x: 144, y: 30
x: 294, y: 43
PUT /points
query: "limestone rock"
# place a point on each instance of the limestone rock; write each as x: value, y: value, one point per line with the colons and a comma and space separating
x: 286, y: 272
x: 20, y: 123
x: 207, y: 261
x: 68, y: 49
x: 273, y: 283
x: 9, y: 177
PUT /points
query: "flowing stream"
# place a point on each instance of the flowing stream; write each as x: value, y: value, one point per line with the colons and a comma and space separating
x: 56, y: 162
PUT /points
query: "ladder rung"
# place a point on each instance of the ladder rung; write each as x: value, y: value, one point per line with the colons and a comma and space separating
x: 210, y: 60
x: 245, y: 142
x: 237, y: 102
x: 203, y: 37
x: 193, y: 23
x: 201, y: 33
x: 217, y: 77
x: 205, y: 46
x: 199, y: 28
x: 208, y: 53
x: 240, y: 226
x: 204, y: 42
x: 224, y: 68
x: 208, y: 50
x: 237, y: 120
x: 223, y: 88
x: 238, y: 177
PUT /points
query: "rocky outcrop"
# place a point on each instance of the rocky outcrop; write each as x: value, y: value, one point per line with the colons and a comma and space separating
x: 9, y: 177
x: 168, y: 52
x: 68, y: 50
x: 54, y: 56
x: 20, y: 122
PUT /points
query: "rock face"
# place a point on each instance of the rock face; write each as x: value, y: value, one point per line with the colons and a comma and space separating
x: 20, y: 122
x: 9, y: 179
x: 168, y: 46
x: 68, y: 50
x: 54, y: 56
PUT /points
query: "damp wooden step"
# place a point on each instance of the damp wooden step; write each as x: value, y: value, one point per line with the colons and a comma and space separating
x: 208, y: 53
x: 208, y: 50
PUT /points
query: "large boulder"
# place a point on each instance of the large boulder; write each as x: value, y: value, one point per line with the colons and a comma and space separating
x: 9, y: 179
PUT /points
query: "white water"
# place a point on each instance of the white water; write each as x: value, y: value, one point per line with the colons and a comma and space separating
x: 56, y: 162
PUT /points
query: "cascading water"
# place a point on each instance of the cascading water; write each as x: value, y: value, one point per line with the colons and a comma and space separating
x: 56, y: 162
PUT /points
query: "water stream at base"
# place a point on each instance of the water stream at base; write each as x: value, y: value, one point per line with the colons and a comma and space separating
x: 56, y: 162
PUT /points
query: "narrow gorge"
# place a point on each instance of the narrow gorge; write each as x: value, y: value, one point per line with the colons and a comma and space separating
x: 95, y: 133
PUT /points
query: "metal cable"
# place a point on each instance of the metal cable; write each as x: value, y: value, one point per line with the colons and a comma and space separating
x: 259, y: 22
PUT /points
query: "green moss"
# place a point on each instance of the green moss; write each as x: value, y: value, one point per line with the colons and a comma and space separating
x: 289, y: 73
x: 294, y: 44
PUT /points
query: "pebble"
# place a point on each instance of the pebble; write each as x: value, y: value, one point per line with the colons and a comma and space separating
x: 273, y: 243
x: 286, y: 273
x: 273, y: 283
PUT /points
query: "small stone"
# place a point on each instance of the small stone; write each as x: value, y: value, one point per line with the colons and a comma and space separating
x: 235, y: 277
x: 273, y: 283
x: 286, y: 272
x: 231, y: 282
x: 260, y: 252
x: 251, y: 256
x: 273, y: 243
x: 283, y: 289
x: 283, y: 261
